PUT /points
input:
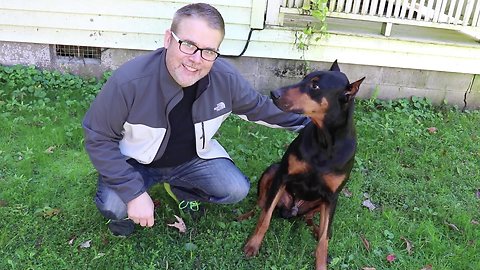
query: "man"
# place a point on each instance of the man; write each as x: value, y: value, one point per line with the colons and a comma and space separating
x: 154, y: 119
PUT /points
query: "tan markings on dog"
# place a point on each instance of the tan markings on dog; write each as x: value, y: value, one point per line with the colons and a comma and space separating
x: 333, y: 181
x: 264, y: 185
x: 296, y: 166
x: 253, y: 244
x: 322, y: 246
x: 319, y: 110
x: 286, y: 200
x: 304, y: 103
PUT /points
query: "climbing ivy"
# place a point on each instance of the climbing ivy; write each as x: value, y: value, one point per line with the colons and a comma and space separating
x: 318, y: 9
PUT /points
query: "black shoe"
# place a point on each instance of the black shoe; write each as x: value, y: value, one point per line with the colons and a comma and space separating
x: 122, y: 227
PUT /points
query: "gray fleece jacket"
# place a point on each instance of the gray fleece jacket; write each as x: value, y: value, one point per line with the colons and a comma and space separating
x: 129, y: 117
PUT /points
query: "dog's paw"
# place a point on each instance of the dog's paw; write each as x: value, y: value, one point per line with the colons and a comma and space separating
x: 251, y: 250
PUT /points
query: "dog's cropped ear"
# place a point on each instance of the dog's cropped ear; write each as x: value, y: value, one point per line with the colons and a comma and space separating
x: 352, y: 89
x: 335, y: 66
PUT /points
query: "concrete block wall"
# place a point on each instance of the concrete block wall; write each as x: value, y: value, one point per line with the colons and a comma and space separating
x: 267, y: 74
x: 384, y: 82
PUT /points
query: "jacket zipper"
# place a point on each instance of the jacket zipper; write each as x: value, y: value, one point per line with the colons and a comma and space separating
x: 203, y: 135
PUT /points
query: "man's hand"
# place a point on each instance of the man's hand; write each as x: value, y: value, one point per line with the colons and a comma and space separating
x: 140, y: 210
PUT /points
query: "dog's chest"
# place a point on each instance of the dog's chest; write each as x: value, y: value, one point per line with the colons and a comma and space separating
x: 314, y: 186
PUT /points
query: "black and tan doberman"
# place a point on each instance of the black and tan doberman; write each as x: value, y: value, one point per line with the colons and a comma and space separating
x: 317, y: 163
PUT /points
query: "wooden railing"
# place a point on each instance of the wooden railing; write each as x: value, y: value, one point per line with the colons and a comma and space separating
x: 447, y: 14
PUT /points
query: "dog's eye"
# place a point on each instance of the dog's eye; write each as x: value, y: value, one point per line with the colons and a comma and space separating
x: 315, y: 86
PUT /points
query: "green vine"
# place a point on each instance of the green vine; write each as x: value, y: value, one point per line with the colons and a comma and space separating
x: 318, y: 9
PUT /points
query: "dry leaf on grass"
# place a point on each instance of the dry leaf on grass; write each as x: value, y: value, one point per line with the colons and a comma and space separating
x: 452, y: 226
x: 85, y: 244
x: 408, y: 244
x: 369, y: 268
x: 180, y: 225
x: 432, y: 130
x: 365, y: 242
x: 427, y: 267
x: 50, y: 149
x: 367, y: 203
x: 3, y: 203
x: 347, y: 192
x: 245, y: 216
x: 70, y: 242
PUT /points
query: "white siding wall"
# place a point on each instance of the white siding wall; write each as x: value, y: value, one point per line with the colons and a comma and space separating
x: 140, y: 24
x: 129, y: 24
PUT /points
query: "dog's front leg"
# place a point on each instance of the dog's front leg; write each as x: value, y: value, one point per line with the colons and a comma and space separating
x: 253, y: 244
x: 322, y: 247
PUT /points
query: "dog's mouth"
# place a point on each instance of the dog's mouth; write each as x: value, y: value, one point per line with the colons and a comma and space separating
x: 279, y: 102
x: 286, y: 106
x: 283, y: 103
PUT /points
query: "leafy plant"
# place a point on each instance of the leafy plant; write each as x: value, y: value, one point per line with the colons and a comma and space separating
x: 318, y: 9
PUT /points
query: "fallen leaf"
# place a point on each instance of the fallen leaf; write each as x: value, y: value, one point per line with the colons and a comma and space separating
x: 432, y: 130
x: 365, y: 242
x: 452, y: 226
x: 474, y: 222
x: 48, y: 213
x: 391, y: 257
x: 369, y: 268
x: 156, y: 203
x: 347, y: 193
x: 367, y: 203
x: 99, y: 255
x: 85, y: 244
x: 3, y: 203
x: 180, y: 225
x: 70, y: 242
x: 50, y: 149
x: 408, y: 244
x: 38, y: 242
x: 427, y: 267
x: 245, y: 216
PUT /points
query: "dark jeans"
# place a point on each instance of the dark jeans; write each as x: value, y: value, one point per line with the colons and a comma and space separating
x: 214, y: 180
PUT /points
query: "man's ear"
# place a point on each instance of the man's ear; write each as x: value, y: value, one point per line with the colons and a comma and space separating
x: 166, y: 38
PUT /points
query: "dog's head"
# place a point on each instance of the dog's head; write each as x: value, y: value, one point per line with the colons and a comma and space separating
x: 324, y: 96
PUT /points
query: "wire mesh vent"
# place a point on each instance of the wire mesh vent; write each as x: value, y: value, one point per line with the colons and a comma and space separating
x: 78, y: 51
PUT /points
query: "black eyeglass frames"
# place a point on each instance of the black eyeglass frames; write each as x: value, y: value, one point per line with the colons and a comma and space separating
x: 189, y: 48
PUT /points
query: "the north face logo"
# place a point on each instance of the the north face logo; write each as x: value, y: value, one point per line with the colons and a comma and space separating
x: 220, y: 106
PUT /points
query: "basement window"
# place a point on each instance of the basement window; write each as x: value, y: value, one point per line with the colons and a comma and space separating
x: 79, y: 52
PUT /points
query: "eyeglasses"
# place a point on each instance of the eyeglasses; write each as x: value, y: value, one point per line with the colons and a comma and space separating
x: 189, y: 48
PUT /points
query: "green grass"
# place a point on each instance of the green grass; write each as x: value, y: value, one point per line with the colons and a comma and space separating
x: 424, y: 186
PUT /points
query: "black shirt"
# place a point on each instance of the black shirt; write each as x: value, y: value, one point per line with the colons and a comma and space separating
x: 181, y: 144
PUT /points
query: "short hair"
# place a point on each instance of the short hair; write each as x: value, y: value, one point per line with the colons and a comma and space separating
x: 199, y: 10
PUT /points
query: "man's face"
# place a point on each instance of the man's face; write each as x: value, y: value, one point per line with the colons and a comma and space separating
x: 187, y: 69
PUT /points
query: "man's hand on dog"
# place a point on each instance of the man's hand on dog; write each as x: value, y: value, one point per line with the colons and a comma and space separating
x: 140, y: 210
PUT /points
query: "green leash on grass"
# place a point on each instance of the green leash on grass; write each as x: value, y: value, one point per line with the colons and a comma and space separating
x: 193, y: 205
x: 169, y: 191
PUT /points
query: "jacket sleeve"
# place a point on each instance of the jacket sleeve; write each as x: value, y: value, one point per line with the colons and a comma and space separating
x: 251, y: 105
x: 103, y: 126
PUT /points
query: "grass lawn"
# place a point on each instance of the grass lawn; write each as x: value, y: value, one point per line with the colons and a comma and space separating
x: 418, y: 166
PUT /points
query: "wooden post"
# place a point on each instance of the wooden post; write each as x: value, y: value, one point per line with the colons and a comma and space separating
x: 387, y: 28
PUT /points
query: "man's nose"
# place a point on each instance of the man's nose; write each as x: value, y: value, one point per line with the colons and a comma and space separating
x: 197, y: 56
